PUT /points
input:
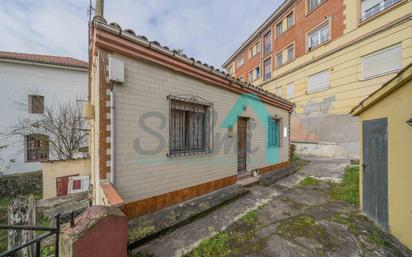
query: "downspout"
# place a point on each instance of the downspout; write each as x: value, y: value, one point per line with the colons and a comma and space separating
x: 112, y: 134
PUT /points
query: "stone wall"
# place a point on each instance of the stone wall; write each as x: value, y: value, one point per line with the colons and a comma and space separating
x: 21, y: 184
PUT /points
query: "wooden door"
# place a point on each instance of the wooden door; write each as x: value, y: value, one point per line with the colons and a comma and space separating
x: 62, y: 185
x: 375, y: 170
x: 241, y: 144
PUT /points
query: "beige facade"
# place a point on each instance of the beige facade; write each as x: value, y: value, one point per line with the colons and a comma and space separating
x: 55, y: 169
x: 132, y: 123
x: 393, y: 102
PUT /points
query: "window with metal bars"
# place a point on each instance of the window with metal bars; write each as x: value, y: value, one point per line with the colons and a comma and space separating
x: 189, y: 127
x: 37, y: 148
x: 274, y: 132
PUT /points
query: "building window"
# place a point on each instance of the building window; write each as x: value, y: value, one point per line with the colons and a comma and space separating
x: 290, y: 21
x: 37, y: 147
x: 318, y: 82
x: 240, y: 62
x: 241, y: 78
x: 230, y: 70
x: 279, y: 29
x: 267, y: 43
x: 279, y: 91
x: 279, y: 59
x: 274, y: 132
x: 254, y: 50
x: 318, y: 37
x: 254, y: 74
x: 383, y: 62
x: 36, y: 104
x: 267, y: 69
x: 313, y: 4
x: 290, y: 91
x: 189, y: 127
x: 372, y: 7
x: 291, y: 53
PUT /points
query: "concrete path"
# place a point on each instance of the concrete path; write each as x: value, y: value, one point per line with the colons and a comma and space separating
x: 188, y: 237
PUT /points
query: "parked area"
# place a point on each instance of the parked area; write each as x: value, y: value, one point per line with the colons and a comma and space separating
x: 306, y: 214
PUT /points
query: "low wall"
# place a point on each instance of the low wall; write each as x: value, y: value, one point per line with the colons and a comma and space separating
x: 55, y: 169
x: 21, y: 184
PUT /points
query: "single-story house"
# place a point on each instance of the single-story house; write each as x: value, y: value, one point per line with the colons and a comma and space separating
x: 386, y: 139
x: 165, y: 128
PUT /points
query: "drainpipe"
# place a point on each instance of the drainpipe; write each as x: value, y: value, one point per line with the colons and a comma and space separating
x: 99, y: 8
x: 112, y: 142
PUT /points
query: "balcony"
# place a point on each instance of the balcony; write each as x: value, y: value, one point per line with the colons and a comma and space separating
x: 372, y: 11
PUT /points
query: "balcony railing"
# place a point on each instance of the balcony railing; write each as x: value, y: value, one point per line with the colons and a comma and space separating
x: 383, y: 5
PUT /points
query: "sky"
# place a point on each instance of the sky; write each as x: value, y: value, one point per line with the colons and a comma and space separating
x: 208, y: 30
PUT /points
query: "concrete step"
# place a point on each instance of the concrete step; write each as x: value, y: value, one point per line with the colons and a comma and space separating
x: 150, y: 226
x: 247, y: 181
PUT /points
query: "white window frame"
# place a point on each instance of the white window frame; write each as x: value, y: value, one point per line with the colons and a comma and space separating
x: 240, y: 61
x: 252, y: 71
x: 318, y: 33
x: 311, y: 8
x: 264, y: 41
x: 292, y: 20
x: 279, y: 91
x: 84, y: 184
x: 316, y: 76
x: 264, y: 68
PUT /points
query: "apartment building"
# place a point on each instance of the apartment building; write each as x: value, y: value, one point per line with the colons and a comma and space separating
x: 326, y: 56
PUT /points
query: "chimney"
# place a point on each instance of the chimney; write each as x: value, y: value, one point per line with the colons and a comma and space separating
x: 99, y: 8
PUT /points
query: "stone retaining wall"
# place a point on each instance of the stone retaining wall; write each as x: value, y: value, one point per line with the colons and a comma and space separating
x: 21, y: 184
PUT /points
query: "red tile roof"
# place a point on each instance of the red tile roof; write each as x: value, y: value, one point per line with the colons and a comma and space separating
x: 46, y: 59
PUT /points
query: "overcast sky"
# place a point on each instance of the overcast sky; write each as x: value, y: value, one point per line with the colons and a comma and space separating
x: 209, y: 30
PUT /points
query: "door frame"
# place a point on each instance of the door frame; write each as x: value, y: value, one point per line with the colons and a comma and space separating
x: 246, y: 120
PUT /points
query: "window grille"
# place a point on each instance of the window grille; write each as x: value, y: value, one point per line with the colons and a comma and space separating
x: 37, y: 148
x: 274, y: 132
x: 189, y: 126
x: 36, y: 104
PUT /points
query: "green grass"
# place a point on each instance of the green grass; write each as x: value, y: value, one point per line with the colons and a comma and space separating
x: 216, y: 246
x: 348, y: 190
x: 309, y: 181
x: 250, y: 218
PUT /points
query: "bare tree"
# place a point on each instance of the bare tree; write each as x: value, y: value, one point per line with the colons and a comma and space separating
x: 62, y: 124
x: 4, y: 162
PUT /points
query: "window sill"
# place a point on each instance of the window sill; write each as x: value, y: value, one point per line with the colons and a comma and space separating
x: 284, y: 64
x: 318, y: 46
x: 317, y: 91
x: 380, y: 75
x: 286, y: 31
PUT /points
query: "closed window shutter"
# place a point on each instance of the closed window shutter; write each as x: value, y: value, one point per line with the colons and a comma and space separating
x: 318, y: 82
x: 382, y: 62
x: 291, y: 91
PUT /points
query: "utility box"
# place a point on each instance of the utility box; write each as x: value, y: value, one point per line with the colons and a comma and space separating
x: 116, y: 70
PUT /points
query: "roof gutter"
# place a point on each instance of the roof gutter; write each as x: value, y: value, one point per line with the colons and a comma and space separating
x: 276, y: 14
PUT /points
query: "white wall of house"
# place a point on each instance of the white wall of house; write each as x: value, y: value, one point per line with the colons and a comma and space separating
x: 18, y: 80
x: 139, y: 176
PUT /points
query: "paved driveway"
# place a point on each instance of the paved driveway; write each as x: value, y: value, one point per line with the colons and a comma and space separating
x: 287, y: 218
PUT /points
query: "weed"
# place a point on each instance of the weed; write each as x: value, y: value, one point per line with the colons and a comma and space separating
x: 309, y: 181
x: 250, y: 218
x: 216, y: 246
x: 348, y: 190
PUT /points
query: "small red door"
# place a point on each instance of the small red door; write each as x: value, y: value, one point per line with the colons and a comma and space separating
x: 62, y: 184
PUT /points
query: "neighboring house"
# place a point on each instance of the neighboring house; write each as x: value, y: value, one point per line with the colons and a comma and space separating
x: 65, y: 177
x: 326, y: 56
x: 166, y: 128
x: 386, y: 139
x: 36, y: 81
